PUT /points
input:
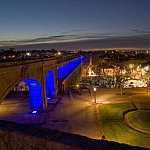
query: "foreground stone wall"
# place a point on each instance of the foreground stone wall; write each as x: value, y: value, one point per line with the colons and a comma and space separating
x: 14, y: 136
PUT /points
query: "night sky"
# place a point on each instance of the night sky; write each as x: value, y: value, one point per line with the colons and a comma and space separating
x: 74, y: 24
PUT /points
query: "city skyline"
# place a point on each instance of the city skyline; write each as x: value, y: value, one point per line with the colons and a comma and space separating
x: 69, y: 24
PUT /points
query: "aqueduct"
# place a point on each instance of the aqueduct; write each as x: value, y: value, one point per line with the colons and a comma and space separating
x: 44, y: 77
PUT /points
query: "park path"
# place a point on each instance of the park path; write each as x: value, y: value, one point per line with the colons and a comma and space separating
x: 68, y: 112
x: 76, y: 114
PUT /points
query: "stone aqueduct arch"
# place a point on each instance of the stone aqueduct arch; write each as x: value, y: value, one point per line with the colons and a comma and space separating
x: 37, y: 74
x: 33, y: 73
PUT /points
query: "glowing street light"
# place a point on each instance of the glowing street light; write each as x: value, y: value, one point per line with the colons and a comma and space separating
x: 77, y: 85
x: 94, y: 89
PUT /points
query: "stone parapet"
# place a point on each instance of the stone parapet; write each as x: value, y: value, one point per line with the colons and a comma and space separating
x: 14, y: 136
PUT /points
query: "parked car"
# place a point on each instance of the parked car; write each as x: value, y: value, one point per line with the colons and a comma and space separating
x: 134, y: 83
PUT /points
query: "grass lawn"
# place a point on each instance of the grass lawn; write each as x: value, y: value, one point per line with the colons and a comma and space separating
x: 114, y: 112
x: 120, y: 132
x: 115, y: 129
x: 139, y: 120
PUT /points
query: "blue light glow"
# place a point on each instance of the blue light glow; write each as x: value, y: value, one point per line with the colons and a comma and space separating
x: 35, y: 92
x: 34, y: 112
x: 50, y: 85
x: 64, y: 70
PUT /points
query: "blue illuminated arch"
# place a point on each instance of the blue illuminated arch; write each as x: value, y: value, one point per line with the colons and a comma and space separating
x: 35, y: 92
x: 50, y: 84
x: 64, y: 70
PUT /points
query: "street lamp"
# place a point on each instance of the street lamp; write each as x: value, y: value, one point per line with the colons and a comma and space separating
x: 94, y: 89
x: 77, y: 87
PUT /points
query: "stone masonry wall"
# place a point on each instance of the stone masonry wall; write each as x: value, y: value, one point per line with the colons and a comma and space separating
x: 14, y: 136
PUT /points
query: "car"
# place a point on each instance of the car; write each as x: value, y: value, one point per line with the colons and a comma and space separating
x: 134, y: 83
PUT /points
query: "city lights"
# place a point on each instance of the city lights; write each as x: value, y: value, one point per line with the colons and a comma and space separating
x: 59, y: 53
x: 28, y: 54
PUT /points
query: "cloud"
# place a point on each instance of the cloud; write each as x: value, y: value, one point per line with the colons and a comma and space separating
x: 82, y: 41
x: 140, y: 31
x: 72, y: 31
x: 53, y: 39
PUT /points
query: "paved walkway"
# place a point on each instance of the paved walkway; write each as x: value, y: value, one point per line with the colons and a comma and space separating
x: 73, y: 113
x: 76, y: 114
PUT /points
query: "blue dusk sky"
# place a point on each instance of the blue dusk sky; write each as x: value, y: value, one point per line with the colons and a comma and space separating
x: 74, y: 24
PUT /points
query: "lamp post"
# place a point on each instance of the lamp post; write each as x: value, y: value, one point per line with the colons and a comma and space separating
x: 94, y: 89
x: 77, y: 87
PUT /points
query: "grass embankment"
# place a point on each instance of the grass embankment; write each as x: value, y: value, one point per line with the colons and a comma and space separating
x: 115, y: 128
